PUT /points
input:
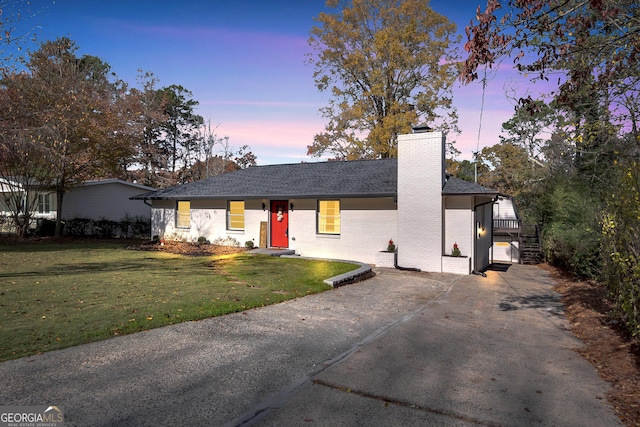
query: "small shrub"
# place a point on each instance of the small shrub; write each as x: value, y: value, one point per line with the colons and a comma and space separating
x: 249, y: 244
x: 202, y: 240
x: 226, y: 241
x: 456, y: 250
x: 45, y: 227
x: 391, y: 247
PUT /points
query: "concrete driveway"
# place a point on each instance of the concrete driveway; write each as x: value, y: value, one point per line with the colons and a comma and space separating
x: 402, y: 348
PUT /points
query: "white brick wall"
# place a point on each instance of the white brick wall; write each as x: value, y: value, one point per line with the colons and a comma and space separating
x: 163, y: 217
x: 366, y: 227
x: 208, y: 219
x: 420, y: 211
x: 459, y: 225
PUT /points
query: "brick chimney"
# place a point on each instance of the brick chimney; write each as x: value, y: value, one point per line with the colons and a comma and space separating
x: 421, y: 176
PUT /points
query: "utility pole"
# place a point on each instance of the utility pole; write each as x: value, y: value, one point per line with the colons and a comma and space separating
x: 475, y: 166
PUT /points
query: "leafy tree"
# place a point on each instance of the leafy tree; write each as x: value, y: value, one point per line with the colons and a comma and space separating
x: 180, y: 128
x: 15, y: 31
x: 24, y: 167
x: 387, y: 65
x: 212, y: 166
x: 244, y: 158
x: 151, y: 158
x: 465, y: 169
x: 571, y: 237
x: 525, y: 129
x: 621, y: 244
x: 171, y: 141
x: 591, y: 45
x: 74, y: 114
x: 559, y: 152
x: 556, y: 34
x: 507, y: 168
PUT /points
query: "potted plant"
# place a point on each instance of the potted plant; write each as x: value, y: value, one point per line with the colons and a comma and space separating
x: 456, y: 262
x: 456, y: 250
x: 387, y: 258
x: 391, y: 247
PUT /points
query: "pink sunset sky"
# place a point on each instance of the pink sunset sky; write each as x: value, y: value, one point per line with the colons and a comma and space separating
x: 245, y: 62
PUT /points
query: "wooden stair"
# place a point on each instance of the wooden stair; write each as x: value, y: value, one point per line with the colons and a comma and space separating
x: 530, y: 244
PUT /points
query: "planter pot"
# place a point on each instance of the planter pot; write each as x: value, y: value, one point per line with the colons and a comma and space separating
x: 456, y: 264
x: 385, y: 259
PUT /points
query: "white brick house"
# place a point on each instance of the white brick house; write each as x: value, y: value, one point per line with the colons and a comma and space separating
x: 341, y: 210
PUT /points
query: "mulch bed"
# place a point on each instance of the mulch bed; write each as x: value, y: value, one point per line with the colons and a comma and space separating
x: 188, y: 249
x: 608, y: 346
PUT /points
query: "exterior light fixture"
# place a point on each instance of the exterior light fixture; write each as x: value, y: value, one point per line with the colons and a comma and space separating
x: 291, y: 207
x: 264, y: 207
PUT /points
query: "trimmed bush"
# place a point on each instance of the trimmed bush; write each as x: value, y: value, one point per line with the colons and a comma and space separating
x: 106, y: 229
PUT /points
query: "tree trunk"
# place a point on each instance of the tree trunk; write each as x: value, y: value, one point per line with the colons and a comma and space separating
x: 59, y: 197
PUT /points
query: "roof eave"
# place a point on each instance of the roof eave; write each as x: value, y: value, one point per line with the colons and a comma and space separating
x: 268, y: 196
x: 486, y: 193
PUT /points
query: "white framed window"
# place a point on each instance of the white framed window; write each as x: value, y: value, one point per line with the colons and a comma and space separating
x: 235, y: 215
x: 328, y: 217
x: 183, y: 214
x: 44, y: 203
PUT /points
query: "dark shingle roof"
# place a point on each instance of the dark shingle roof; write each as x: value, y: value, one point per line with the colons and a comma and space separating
x: 359, y: 178
x: 457, y: 186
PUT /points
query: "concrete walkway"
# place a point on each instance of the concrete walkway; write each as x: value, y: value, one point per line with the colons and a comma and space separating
x: 402, y: 348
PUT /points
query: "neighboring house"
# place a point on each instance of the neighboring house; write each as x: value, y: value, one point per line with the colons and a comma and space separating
x: 513, y: 241
x: 11, y: 189
x: 101, y: 199
x: 6, y: 188
x: 108, y: 199
x: 341, y: 210
x: 507, y: 228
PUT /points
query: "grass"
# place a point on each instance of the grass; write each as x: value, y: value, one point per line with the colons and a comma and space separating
x: 58, y: 295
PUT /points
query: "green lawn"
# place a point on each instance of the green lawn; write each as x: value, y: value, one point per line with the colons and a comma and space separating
x: 58, y: 295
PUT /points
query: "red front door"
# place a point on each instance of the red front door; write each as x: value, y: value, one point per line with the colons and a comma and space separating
x: 279, y: 224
